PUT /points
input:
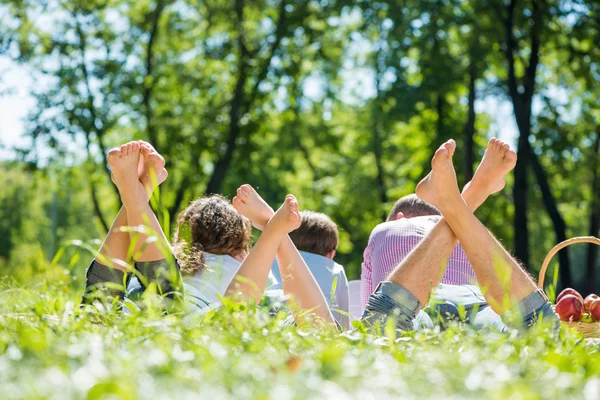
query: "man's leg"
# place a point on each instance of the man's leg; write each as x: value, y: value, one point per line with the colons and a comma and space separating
x: 297, y: 280
x: 506, y: 285
x: 422, y: 270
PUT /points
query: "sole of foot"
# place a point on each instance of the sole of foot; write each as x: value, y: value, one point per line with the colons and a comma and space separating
x: 287, y: 218
x: 497, y: 161
x: 249, y: 203
x: 123, y: 164
x: 151, y: 167
x: 440, y: 184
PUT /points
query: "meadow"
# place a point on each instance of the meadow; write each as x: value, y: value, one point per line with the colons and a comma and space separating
x: 51, y: 348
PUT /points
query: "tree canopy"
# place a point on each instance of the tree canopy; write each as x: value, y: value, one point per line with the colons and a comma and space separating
x: 339, y: 102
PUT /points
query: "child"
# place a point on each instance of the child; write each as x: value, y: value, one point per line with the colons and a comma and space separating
x: 316, y: 239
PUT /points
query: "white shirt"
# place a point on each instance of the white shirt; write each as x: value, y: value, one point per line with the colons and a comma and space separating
x: 204, y: 288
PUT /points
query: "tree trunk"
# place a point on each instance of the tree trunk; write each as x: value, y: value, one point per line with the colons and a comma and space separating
x: 592, y: 251
x: 440, y: 128
x: 520, y: 201
x: 216, y: 180
x: 241, y: 101
x: 469, y: 142
x: 148, y: 83
x: 560, y: 227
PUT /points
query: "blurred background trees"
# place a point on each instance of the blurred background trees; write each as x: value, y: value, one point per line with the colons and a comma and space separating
x: 340, y: 102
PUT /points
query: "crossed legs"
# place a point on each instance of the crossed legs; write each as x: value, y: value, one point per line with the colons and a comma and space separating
x: 505, y: 284
x: 298, y: 281
x: 137, y: 170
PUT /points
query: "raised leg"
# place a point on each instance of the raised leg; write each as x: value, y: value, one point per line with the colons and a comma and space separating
x: 151, y: 249
x: 251, y: 278
x: 504, y: 283
x: 107, y: 270
x: 297, y: 280
x: 151, y: 173
x: 423, y: 269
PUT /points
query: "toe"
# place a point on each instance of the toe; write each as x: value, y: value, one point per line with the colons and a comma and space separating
x: 114, y: 153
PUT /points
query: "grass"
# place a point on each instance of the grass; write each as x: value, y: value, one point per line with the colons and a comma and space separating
x: 50, y: 348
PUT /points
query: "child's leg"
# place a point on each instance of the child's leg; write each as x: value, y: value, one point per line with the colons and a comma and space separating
x: 150, y: 246
x: 151, y: 173
x: 297, y: 280
x: 111, y: 260
x: 251, y: 278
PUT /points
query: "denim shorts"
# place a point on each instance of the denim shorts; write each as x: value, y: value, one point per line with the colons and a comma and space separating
x: 448, y: 302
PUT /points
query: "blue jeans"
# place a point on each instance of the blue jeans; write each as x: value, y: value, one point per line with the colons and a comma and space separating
x: 463, y: 302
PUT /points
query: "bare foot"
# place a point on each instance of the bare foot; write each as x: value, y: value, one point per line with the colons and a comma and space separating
x: 249, y: 203
x: 497, y: 161
x: 151, y: 167
x: 287, y: 218
x: 123, y: 163
x: 440, y: 184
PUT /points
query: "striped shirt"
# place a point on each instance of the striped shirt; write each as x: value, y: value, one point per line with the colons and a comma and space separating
x: 392, y: 241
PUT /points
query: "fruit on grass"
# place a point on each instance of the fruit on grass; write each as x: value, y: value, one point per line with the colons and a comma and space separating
x: 569, y: 308
x: 568, y: 291
x: 595, y: 310
x: 588, y: 300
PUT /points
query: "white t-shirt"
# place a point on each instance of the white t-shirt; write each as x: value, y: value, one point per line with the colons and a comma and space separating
x: 204, y: 288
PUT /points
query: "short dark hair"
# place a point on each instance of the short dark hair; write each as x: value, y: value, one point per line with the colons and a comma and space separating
x: 209, y: 224
x: 317, y: 234
x: 412, y: 206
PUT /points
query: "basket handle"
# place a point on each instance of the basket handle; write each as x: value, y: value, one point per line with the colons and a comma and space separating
x: 560, y: 246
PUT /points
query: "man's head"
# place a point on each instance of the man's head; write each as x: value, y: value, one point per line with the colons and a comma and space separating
x: 318, y: 234
x: 411, y: 206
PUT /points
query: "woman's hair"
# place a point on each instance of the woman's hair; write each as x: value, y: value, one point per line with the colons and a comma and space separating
x: 209, y: 224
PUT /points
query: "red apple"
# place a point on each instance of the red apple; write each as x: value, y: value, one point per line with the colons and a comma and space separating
x: 568, y: 291
x: 569, y: 308
x: 595, y: 310
x: 588, y: 300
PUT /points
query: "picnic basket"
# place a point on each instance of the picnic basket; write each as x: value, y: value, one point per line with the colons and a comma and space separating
x: 588, y: 329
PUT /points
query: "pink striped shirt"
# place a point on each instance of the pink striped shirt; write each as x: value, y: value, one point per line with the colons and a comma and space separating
x: 391, y: 242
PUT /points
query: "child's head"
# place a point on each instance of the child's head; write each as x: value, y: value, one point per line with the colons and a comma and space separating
x: 210, y: 224
x: 318, y: 234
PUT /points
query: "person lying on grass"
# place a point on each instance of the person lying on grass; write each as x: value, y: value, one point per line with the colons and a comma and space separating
x: 296, y: 276
x: 137, y: 170
x: 504, y: 287
x: 317, y: 241
x: 390, y: 242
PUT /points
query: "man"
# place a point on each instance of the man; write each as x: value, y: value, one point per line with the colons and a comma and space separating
x: 505, y: 288
x: 317, y: 240
x: 410, y: 220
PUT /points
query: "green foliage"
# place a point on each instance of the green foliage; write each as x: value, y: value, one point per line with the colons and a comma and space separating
x: 339, y: 102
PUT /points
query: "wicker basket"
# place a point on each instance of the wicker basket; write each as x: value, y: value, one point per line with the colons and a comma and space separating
x: 589, y: 329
